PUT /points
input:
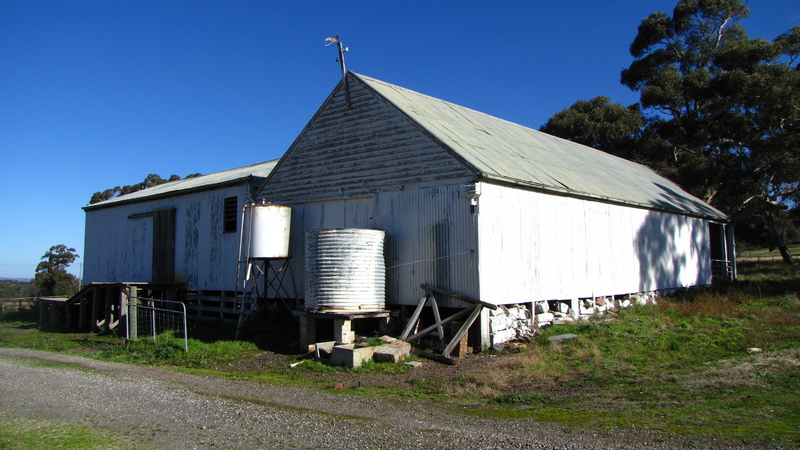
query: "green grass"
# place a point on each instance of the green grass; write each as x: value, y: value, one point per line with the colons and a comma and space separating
x: 680, y: 366
x: 765, y: 253
x: 24, y: 434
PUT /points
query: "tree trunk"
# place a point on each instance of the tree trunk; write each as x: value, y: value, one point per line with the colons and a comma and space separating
x: 778, y: 238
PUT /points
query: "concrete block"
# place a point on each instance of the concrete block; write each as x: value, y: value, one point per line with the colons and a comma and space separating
x: 322, y: 350
x: 343, y: 331
x: 351, y: 355
x: 405, y: 346
x: 391, y: 352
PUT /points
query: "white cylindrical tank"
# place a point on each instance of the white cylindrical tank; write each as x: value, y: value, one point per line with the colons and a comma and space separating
x: 345, y: 270
x: 270, y: 231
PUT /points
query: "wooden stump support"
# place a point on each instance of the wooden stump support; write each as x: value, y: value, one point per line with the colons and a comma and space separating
x: 429, y: 299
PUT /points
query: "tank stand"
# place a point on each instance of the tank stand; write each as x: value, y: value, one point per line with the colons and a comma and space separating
x: 342, y: 324
x: 261, y: 283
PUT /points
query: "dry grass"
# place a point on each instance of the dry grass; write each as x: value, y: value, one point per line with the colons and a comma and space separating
x: 704, y: 303
x: 752, y: 372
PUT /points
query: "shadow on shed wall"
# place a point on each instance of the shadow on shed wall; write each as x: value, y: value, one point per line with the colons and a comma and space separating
x: 672, y: 252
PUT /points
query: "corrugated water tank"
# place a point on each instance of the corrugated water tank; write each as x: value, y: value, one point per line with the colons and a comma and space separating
x: 345, y: 269
x: 270, y: 231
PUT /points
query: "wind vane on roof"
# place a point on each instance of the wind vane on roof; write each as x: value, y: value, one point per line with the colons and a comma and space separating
x: 340, y: 60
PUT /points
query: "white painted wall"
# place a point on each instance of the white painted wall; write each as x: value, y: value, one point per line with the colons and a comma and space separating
x: 532, y: 246
x: 119, y: 248
x: 535, y: 246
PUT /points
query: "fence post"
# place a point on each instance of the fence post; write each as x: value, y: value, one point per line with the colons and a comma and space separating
x: 153, y: 316
x: 136, y: 304
x: 133, y: 314
x: 41, y: 312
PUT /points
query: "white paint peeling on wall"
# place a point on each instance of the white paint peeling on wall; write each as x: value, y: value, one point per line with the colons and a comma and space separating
x: 120, y: 248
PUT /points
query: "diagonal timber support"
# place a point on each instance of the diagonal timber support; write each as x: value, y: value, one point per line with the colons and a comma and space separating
x: 429, y: 300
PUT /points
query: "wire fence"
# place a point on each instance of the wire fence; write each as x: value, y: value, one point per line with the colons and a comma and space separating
x: 152, y: 317
x: 13, y: 305
x: 758, y: 259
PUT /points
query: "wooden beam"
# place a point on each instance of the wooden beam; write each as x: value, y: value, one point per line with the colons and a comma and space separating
x: 458, y: 296
x: 463, y: 330
x: 455, y: 316
x: 438, y: 318
x: 414, y: 317
x: 434, y: 356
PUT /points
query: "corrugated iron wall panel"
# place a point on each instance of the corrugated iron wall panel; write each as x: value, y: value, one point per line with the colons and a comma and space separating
x: 429, y: 238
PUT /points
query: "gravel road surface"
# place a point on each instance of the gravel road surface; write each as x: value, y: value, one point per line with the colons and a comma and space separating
x: 156, y: 408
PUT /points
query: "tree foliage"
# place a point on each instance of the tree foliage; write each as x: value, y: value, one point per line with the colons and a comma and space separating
x: 612, y: 128
x: 150, y: 181
x: 724, y: 109
x: 600, y: 124
x: 728, y: 105
x: 15, y: 289
x: 52, y: 277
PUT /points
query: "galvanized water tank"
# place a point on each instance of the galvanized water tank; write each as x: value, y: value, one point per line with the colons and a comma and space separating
x: 345, y: 270
x: 270, y: 231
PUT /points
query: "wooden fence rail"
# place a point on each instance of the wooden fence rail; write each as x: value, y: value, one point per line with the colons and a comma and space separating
x: 17, y: 304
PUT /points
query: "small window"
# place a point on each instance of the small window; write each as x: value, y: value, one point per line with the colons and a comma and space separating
x: 230, y: 209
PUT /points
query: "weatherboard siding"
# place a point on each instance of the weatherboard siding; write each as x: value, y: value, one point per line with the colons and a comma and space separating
x: 535, y: 246
x: 360, y: 149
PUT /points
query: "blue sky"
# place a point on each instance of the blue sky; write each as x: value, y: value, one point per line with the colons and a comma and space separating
x: 96, y: 94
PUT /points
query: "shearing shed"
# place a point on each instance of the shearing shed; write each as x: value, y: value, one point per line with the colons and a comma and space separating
x: 477, y: 207
x: 457, y: 212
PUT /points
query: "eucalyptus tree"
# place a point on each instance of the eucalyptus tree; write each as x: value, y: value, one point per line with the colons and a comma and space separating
x: 727, y: 106
x: 150, y: 181
x: 52, y: 277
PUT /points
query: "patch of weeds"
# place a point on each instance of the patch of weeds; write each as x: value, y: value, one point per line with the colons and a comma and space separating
x: 374, y: 341
x: 500, y: 413
x: 533, y: 399
x: 565, y: 416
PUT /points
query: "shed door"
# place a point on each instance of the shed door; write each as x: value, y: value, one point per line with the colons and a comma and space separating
x: 164, y: 245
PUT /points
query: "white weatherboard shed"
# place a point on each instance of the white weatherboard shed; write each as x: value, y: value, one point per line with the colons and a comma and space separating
x: 487, y: 208
x: 183, y: 232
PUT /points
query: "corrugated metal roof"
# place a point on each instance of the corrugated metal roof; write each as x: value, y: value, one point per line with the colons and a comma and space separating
x: 504, y: 151
x: 259, y: 170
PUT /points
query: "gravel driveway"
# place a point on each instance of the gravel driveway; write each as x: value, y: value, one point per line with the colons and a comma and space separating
x: 158, y: 408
